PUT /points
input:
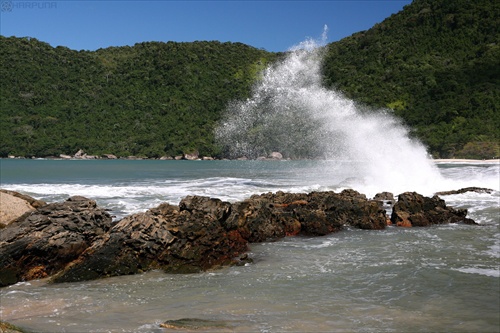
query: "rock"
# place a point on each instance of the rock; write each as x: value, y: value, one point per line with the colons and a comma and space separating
x: 276, y: 155
x: 165, y: 158
x: 191, y: 157
x: 14, y: 205
x: 384, y: 197
x: 110, y: 156
x: 196, y: 324
x: 273, y: 216
x: 42, y: 243
x: 79, y: 154
x: 185, y: 239
x: 208, y: 158
x: 415, y: 210
x: 75, y: 240
x: 178, y: 158
x: 466, y: 189
x: 65, y: 157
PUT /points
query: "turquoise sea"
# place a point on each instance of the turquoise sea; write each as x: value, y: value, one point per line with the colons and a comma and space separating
x: 439, y: 279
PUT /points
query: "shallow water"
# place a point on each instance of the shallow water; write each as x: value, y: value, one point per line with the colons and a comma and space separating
x: 444, y: 278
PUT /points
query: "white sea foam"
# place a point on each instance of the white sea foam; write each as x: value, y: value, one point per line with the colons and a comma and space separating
x: 290, y: 111
x: 480, y: 271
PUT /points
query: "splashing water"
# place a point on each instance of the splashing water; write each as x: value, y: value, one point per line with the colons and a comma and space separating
x: 292, y: 113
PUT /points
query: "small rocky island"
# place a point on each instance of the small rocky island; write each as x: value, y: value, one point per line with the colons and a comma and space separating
x: 77, y: 240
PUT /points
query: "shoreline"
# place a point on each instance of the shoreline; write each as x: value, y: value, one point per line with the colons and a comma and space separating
x: 464, y: 160
x: 133, y: 158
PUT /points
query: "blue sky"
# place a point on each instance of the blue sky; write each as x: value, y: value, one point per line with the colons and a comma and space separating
x: 271, y: 25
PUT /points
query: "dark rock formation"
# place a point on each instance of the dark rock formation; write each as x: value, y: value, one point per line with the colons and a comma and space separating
x: 273, y: 216
x: 185, y: 239
x: 74, y: 240
x: 384, y: 197
x: 466, y: 189
x: 415, y: 210
x: 50, y: 237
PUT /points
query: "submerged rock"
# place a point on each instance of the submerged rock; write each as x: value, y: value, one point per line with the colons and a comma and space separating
x: 466, y: 189
x: 196, y: 324
x: 415, y: 210
x: 42, y: 243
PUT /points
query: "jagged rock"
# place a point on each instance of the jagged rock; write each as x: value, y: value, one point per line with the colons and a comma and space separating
x: 272, y: 216
x: 185, y: 239
x: 75, y: 240
x: 384, y: 197
x: 49, y: 238
x: 466, y: 189
x: 415, y: 210
x: 110, y: 156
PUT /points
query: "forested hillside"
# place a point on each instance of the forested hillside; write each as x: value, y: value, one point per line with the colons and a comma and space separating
x: 152, y: 99
x: 436, y: 64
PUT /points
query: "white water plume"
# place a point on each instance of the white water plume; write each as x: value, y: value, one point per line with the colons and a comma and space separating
x: 292, y: 113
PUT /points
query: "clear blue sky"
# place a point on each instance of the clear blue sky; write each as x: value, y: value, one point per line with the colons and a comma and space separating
x: 271, y: 25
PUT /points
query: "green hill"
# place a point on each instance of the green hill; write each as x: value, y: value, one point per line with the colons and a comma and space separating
x: 435, y: 64
x: 152, y: 99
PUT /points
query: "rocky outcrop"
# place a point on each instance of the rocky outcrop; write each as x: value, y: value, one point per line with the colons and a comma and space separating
x: 272, y: 216
x: 202, y: 233
x: 415, y: 210
x: 184, y: 239
x: 75, y: 240
x: 49, y: 238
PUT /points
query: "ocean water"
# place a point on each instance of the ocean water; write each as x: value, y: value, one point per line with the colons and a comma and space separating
x: 439, y: 279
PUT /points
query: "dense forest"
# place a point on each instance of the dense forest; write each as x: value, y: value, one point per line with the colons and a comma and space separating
x: 435, y: 64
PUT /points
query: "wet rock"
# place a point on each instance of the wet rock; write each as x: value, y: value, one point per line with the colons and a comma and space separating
x: 273, y: 216
x: 415, y: 210
x: 466, y: 189
x: 50, y: 237
x: 386, y: 197
x: 196, y: 324
x: 178, y: 239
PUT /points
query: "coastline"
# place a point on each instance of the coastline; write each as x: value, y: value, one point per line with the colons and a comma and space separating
x: 132, y: 158
x: 463, y: 160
